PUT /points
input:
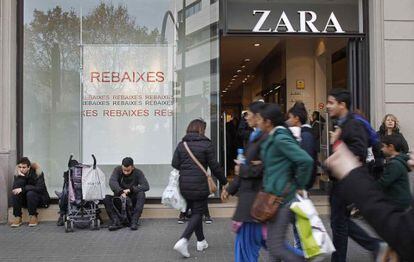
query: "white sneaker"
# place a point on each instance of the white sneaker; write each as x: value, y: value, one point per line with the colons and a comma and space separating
x: 201, y: 245
x: 182, y: 247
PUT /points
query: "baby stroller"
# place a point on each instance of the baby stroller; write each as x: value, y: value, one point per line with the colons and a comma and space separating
x: 83, y: 188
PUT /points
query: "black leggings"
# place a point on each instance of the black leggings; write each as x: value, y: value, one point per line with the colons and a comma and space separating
x: 195, y: 224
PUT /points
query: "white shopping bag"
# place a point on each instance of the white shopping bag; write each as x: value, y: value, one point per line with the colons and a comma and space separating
x: 315, y: 241
x: 93, y: 184
x: 171, y: 196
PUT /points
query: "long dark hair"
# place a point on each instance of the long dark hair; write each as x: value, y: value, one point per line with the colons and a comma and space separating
x: 256, y: 106
x: 273, y: 113
x: 197, y: 126
x: 299, y: 110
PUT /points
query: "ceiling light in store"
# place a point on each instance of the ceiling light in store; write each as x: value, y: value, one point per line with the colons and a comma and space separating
x: 247, y: 60
x: 238, y: 71
x: 224, y: 91
x: 235, y: 76
x: 243, y: 66
x: 243, y: 81
x: 256, y: 44
x: 248, y: 75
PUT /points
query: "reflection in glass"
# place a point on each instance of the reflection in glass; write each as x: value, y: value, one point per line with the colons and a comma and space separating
x: 54, y: 35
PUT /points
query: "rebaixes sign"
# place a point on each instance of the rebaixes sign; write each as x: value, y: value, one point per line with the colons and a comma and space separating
x: 306, y: 18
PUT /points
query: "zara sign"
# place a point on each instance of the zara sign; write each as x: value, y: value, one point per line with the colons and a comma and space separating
x: 336, y: 17
x: 306, y: 18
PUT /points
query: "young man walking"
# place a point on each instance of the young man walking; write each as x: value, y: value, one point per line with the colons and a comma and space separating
x: 353, y: 134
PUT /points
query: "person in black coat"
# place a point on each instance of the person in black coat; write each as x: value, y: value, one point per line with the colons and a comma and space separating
x: 193, y: 182
x: 247, y: 182
x: 129, y: 186
x: 394, y: 225
x: 352, y: 132
x: 317, y: 123
x: 29, y: 189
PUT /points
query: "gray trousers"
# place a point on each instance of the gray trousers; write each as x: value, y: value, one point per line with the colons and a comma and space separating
x: 276, y: 237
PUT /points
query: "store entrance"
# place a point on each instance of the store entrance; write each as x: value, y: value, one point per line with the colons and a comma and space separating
x: 280, y: 70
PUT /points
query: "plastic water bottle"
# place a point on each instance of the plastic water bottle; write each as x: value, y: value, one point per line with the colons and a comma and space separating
x: 240, y: 156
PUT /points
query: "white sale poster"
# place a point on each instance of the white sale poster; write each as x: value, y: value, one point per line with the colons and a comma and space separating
x: 127, y: 103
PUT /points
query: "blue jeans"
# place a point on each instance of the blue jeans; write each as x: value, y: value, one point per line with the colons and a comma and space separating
x: 343, y: 227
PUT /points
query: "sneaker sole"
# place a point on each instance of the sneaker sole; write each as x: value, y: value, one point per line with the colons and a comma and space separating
x: 32, y: 225
x: 14, y: 226
x: 180, y: 222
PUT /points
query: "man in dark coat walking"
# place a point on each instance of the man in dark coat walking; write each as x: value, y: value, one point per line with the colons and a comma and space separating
x: 129, y: 186
x: 352, y: 132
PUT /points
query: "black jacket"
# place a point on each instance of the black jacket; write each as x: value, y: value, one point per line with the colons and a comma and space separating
x: 249, y: 182
x: 33, y: 181
x: 193, y: 182
x: 396, y: 227
x: 355, y: 137
x: 308, y: 144
x: 136, y: 182
x: 405, y: 148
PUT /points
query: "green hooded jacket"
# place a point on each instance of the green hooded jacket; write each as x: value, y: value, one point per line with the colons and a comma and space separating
x: 286, y: 164
x: 394, y: 180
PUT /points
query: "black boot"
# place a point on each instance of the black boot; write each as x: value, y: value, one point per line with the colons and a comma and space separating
x: 115, y: 225
x: 61, y: 221
x: 134, y: 224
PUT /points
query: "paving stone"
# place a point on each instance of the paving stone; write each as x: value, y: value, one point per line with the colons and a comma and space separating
x: 152, y: 242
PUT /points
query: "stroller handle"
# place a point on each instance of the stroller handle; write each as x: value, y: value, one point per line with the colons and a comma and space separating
x: 94, y: 161
x: 70, y: 159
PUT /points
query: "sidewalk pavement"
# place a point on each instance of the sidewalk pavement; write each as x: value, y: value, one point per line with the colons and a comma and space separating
x: 152, y: 242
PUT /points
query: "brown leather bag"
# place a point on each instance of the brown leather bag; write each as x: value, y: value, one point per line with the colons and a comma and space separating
x: 211, y: 185
x: 265, y: 206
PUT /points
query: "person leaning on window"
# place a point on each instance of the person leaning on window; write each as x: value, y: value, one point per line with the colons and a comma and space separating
x: 29, y: 190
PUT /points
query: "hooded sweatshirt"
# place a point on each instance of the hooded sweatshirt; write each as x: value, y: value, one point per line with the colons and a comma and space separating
x: 394, y: 180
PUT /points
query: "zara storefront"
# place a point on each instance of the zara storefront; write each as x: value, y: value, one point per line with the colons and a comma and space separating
x: 123, y: 78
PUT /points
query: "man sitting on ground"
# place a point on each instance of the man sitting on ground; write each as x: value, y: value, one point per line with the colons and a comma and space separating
x: 128, y: 184
x: 29, y: 190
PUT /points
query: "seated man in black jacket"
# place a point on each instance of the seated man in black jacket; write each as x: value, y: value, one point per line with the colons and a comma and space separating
x: 29, y: 189
x: 128, y: 184
x: 394, y: 225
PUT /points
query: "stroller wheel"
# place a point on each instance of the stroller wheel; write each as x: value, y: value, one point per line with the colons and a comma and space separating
x: 95, y: 224
x: 68, y: 226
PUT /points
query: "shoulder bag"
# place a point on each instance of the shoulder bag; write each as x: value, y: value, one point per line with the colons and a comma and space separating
x: 265, y: 205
